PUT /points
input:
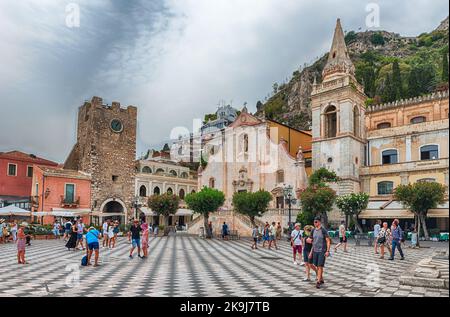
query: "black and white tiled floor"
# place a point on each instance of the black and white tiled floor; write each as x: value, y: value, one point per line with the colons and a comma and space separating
x: 189, y: 266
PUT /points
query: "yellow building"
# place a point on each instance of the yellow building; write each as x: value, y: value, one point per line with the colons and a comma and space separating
x: 295, y: 139
x: 407, y: 142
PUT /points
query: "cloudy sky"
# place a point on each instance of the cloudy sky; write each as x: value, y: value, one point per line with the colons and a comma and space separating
x: 174, y: 59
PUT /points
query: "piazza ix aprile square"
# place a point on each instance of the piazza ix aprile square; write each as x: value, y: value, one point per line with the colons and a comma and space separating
x: 249, y: 150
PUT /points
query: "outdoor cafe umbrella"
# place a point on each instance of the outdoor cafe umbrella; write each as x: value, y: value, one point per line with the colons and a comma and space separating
x: 14, y: 211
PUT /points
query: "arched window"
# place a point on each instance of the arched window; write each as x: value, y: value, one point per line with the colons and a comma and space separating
x: 280, y: 176
x: 389, y: 157
x: 383, y: 125
x: 156, y: 191
x: 173, y: 173
x: 181, y: 194
x: 184, y: 175
x: 146, y: 170
x: 418, y: 119
x: 193, y: 191
x: 330, y: 122
x: 170, y: 191
x: 159, y: 171
x: 385, y: 188
x: 212, y: 182
x: 142, y: 191
x: 356, y: 120
x: 429, y: 152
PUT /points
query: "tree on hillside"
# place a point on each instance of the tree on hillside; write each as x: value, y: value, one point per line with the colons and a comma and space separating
x: 352, y: 204
x: 252, y: 204
x: 204, y: 202
x: 444, y: 75
x: 165, y: 205
x: 397, y: 84
x: 419, y: 198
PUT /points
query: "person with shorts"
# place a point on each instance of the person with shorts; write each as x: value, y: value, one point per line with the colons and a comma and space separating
x: 92, y: 238
x: 296, y: 243
x: 255, y: 237
x: 342, y: 237
x: 320, y: 250
x: 135, y: 234
x: 307, y: 246
x: 80, y: 231
x: 272, y: 236
x: 225, y: 231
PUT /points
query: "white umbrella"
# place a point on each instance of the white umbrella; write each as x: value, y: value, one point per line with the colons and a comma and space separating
x: 14, y: 211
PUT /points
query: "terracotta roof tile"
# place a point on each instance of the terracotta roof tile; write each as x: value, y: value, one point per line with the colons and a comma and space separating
x: 21, y: 156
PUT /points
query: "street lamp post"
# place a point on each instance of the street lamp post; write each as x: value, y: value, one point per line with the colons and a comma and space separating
x: 136, y: 205
x: 289, y: 199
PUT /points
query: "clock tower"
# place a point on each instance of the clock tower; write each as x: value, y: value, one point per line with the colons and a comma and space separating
x: 106, y: 149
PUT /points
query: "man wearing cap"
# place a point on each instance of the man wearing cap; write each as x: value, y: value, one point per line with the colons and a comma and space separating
x: 93, y: 245
x: 135, y: 232
x: 321, y: 243
x: 296, y: 242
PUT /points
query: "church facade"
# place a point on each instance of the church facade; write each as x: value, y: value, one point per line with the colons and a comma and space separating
x: 373, y: 149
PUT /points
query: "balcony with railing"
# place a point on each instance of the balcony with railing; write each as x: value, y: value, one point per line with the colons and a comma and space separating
x: 405, y: 167
x: 70, y: 203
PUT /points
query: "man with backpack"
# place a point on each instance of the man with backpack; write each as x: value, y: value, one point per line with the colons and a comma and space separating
x: 296, y: 243
x: 397, y: 239
x: 320, y: 250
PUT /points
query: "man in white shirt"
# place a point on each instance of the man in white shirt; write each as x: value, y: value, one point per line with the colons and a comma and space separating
x: 296, y: 242
x: 342, y: 237
x: 105, y: 227
x: 272, y: 236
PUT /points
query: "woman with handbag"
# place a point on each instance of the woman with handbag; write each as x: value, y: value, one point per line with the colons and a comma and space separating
x: 384, y: 239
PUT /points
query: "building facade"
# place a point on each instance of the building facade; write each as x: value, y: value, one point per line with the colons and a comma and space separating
x: 376, y: 148
x: 157, y: 175
x: 16, y: 173
x: 247, y: 159
x: 58, y: 191
x: 106, y: 150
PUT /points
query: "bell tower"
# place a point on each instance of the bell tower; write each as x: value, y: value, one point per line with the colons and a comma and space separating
x: 338, y: 114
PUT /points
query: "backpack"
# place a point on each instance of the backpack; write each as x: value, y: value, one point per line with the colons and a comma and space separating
x: 84, y: 261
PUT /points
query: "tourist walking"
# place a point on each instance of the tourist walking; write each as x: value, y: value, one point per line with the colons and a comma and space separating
x: 255, y: 234
x: 21, y: 242
x: 384, y: 239
x: 56, y: 228
x: 110, y: 235
x: 376, y: 232
x: 155, y: 231
x: 67, y: 230
x: 265, y: 234
x: 296, y: 243
x: 80, y: 231
x: 225, y: 231
x: 279, y: 231
x: 115, y: 230
x: 145, y: 234
x: 210, y: 229
x: 414, y: 238
x: 93, y: 245
x: 321, y: 243
x: 397, y: 239
x: 342, y: 237
x: 105, y: 227
x: 307, y: 247
x: 14, y: 228
x: 272, y: 236
x: 135, y: 234
x: 73, y: 237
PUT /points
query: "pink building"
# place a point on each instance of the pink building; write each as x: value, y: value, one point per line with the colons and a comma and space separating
x: 60, y: 190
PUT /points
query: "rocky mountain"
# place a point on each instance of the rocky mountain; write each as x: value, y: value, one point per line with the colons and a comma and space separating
x: 420, y: 59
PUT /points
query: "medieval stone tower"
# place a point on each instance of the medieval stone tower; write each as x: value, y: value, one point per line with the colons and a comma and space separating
x: 106, y: 149
x: 338, y: 114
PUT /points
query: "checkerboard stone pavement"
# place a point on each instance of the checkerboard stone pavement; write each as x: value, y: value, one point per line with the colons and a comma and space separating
x: 188, y: 266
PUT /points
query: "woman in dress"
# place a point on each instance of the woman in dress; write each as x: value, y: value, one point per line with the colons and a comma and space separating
x: 111, y: 236
x: 384, y: 239
x: 72, y: 243
x: 145, y: 234
x: 21, y: 244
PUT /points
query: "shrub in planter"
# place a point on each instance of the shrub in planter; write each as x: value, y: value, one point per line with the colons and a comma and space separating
x: 435, y: 232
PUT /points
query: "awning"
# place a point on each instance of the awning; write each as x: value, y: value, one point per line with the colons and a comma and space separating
x: 147, y: 211
x: 394, y: 209
x: 14, y: 211
x: 184, y: 212
x: 62, y: 213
